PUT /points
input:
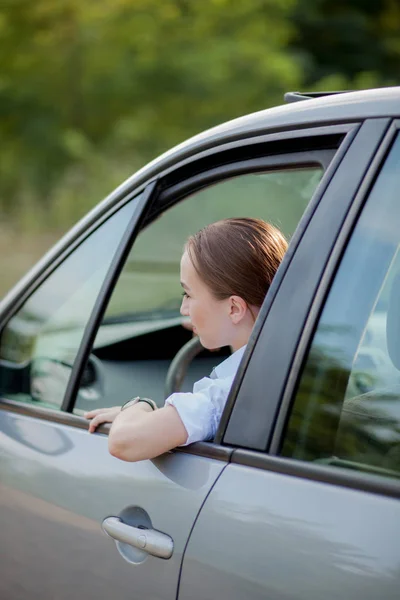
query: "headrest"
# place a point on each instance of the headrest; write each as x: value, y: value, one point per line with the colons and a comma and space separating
x: 393, y: 322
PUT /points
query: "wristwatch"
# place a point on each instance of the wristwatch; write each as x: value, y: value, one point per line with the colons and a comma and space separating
x: 138, y: 399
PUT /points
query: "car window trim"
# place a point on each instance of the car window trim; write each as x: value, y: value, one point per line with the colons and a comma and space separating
x: 338, y: 476
x: 230, y: 152
x: 327, y: 278
x: 247, y: 400
x: 107, y: 287
x: 285, y: 161
x: 204, y: 449
x: 220, y: 161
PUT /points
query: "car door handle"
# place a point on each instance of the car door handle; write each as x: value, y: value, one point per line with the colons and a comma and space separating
x: 149, y: 540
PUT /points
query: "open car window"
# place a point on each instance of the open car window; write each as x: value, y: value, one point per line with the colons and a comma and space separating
x: 142, y: 330
x: 148, y: 289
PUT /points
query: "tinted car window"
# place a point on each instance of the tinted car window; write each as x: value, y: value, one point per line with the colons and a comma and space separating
x: 346, y: 410
x: 39, y: 344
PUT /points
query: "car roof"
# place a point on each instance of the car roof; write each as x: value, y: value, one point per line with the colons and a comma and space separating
x: 337, y: 108
x: 346, y: 106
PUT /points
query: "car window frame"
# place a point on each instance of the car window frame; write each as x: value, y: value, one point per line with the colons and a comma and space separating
x: 154, y: 203
x: 327, y: 279
x: 100, y: 305
x: 171, y: 187
x: 269, y: 458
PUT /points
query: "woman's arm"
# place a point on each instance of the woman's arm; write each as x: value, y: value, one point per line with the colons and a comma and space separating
x: 138, y: 432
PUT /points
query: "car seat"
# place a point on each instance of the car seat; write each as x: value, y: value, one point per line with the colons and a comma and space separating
x: 369, y: 427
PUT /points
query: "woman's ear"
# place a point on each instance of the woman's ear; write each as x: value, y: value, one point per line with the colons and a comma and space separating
x: 237, y: 309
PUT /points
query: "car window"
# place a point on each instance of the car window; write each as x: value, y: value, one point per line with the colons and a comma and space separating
x: 39, y: 344
x: 142, y: 327
x: 346, y: 411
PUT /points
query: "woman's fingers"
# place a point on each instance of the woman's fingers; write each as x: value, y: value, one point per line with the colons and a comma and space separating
x: 101, y: 415
x: 98, y: 411
x: 99, y: 419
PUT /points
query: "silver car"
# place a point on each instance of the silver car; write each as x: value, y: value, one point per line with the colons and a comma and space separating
x: 297, y: 497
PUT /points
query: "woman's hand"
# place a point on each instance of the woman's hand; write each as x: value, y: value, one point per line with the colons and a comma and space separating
x: 101, y: 415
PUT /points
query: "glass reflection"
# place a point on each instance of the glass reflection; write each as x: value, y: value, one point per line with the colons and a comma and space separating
x: 39, y: 344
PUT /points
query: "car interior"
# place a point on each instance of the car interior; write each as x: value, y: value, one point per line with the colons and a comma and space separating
x: 370, y: 422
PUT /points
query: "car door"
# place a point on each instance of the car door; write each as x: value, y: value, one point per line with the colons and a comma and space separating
x: 308, y: 506
x: 100, y: 324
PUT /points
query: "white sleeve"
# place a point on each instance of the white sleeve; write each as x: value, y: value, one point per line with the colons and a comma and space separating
x: 201, y: 410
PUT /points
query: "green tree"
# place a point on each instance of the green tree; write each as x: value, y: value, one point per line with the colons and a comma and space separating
x: 349, y: 43
x: 117, y: 81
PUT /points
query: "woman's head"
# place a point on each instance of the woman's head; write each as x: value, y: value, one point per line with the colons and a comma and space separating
x: 230, y: 265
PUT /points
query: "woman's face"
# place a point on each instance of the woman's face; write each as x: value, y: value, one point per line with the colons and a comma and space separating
x: 209, y: 317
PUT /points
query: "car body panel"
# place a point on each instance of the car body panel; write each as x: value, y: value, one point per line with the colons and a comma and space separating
x: 263, y: 534
x: 59, y: 483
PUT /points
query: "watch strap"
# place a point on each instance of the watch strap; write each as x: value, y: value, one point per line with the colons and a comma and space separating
x: 138, y: 399
x: 149, y: 402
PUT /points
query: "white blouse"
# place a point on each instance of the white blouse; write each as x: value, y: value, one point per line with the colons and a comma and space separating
x: 201, y: 409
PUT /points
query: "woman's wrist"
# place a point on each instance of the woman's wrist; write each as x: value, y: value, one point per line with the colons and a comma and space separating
x: 142, y: 401
x: 144, y: 407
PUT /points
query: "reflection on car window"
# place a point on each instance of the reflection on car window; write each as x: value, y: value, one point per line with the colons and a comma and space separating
x: 39, y: 344
x: 347, y: 407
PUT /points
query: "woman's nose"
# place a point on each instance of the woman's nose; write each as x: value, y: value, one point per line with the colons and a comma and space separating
x: 184, y: 307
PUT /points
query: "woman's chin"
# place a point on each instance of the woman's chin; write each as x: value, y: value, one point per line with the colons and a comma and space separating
x: 203, y: 342
x: 209, y: 346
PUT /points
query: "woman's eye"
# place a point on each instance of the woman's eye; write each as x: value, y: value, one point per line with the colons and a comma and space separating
x: 185, y: 295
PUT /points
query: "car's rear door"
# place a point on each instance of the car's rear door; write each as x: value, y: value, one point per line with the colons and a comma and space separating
x: 308, y: 506
x: 69, y: 344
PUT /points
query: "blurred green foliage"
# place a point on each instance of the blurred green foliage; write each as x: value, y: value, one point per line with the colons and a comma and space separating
x: 352, y: 42
x: 90, y: 91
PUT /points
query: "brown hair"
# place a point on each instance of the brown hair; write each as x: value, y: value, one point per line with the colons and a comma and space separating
x: 237, y: 257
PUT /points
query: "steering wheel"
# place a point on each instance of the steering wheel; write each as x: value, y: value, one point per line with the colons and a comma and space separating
x: 179, y: 365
